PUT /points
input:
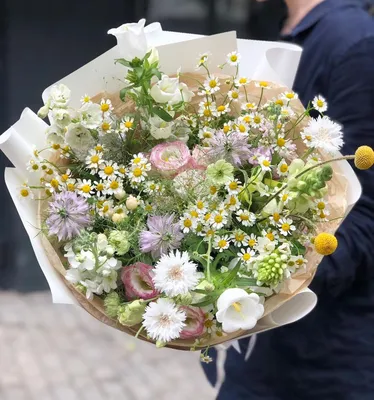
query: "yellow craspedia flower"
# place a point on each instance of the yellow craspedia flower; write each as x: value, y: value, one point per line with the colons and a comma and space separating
x: 364, y: 157
x: 325, y: 243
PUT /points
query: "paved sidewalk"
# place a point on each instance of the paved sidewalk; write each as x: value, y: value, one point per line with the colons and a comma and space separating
x: 58, y: 352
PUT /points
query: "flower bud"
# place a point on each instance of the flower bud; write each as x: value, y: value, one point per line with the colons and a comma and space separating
x: 132, y: 313
x: 160, y: 344
x: 184, y: 299
x: 111, y: 304
x: 117, y: 218
x: 43, y: 111
x: 120, y: 194
x: 132, y: 202
x: 205, y: 285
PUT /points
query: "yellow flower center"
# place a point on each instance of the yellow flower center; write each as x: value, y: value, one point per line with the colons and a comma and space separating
x: 213, y: 190
x: 242, y: 128
x: 246, y: 257
x: 48, y: 192
x: 54, y: 183
x: 322, y: 215
x: 234, y: 58
x: 276, y: 217
x: 233, y: 201
x: 300, y: 261
x: 71, y: 187
x: 137, y: 172
x: 279, y: 102
x: 55, y: 146
x: 244, y: 217
x: 284, y: 197
x: 207, y: 217
x: 264, y: 84
x: 105, y: 208
x: 213, y: 83
x: 49, y: 172
x: 95, y: 159
x: 247, y: 119
x: 207, y: 135
x: 257, y: 119
x: 187, y: 223
x: 108, y: 170
x: 243, y: 81
x: 237, y: 307
x: 308, y: 138
x: 270, y: 236
x: 281, y: 142
x: 129, y: 124
x: 104, y: 107
x: 24, y: 192
x: 290, y: 95
x: 200, y: 205
x: 266, y: 163
x: 148, y: 208
x: 35, y: 167
x: 321, y: 205
x: 226, y: 129
x: 222, y: 243
x: 233, y: 185
x: 250, y: 106
x: 207, y: 112
x: 221, y: 108
x: 137, y: 160
x: 283, y: 168
x: 325, y: 243
x: 234, y: 95
x: 208, y: 323
x: 114, y: 185
x: 286, y: 227
x: 99, y: 187
x: 218, y: 218
x: 210, y: 232
x: 105, y: 126
x: 251, y: 242
x: 194, y: 213
x: 99, y: 148
x: 239, y: 237
x: 86, y: 188
x: 64, y: 177
x: 320, y: 103
x: 86, y: 99
x: 121, y: 170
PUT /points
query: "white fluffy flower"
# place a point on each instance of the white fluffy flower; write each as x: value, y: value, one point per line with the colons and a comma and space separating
x: 324, y: 134
x: 59, y: 96
x: 80, y: 140
x: 61, y: 116
x: 238, y: 310
x: 165, y: 89
x: 90, y: 115
x: 175, y: 274
x: 163, y: 320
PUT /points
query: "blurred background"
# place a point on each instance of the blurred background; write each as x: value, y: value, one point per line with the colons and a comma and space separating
x: 52, y: 352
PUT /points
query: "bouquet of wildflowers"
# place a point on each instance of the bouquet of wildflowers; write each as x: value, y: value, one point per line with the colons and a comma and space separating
x: 183, y: 206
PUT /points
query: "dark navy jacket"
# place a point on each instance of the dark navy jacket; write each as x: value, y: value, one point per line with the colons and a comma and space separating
x: 330, y: 353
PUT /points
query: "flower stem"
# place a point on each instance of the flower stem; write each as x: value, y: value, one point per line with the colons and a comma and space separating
x: 208, y: 276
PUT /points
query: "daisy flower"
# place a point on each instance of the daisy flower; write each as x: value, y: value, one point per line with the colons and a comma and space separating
x: 282, y: 168
x: 113, y: 186
x: 233, y: 58
x: 175, y: 274
x: 85, y: 188
x: 234, y: 186
x: 218, y: 220
x: 137, y: 175
x: 163, y: 320
x: 108, y: 170
x: 322, y: 215
x: 233, y: 95
x: 53, y: 185
x: 121, y: 171
x: 275, y: 218
x: 34, y: 165
x: 71, y: 184
x: 232, y: 203
x: 320, y: 204
x: 263, y: 85
x: 265, y: 163
x: 201, y: 206
x: 257, y: 120
x: 222, y: 109
x: 239, y: 238
x: 242, y: 125
x: 188, y: 223
x: 206, y: 133
x: 212, y: 84
x: 151, y: 187
x: 285, y: 197
x: 99, y: 187
x: 246, y: 217
x: 320, y: 104
x: 105, y: 208
x: 324, y: 134
x: 85, y: 99
x: 249, y: 106
x: 106, y: 106
x: 221, y: 243
x: 64, y: 178
x: 94, y: 160
x: 270, y: 235
x: 203, y: 58
x: 288, y: 96
x: 246, y: 255
x: 24, y: 192
x: 242, y: 81
x: 286, y: 227
x: 106, y: 126
x: 126, y: 124
x: 286, y: 113
x: 251, y: 241
x: 227, y: 127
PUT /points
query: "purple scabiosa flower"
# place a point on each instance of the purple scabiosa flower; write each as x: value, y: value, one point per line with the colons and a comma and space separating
x: 232, y: 147
x: 68, y: 215
x: 163, y: 235
x: 258, y: 152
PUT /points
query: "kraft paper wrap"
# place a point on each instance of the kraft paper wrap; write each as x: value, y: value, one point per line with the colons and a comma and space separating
x: 337, y: 189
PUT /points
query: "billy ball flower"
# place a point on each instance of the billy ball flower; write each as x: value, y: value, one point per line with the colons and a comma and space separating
x: 364, y: 157
x: 325, y: 243
x: 175, y: 274
x: 68, y: 215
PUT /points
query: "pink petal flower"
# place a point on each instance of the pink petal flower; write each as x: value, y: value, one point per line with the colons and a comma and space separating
x: 194, y: 323
x: 138, y: 283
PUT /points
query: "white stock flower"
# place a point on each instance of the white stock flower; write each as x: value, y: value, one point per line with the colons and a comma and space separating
x: 163, y: 320
x: 80, y: 140
x: 55, y: 134
x: 90, y: 115
x: 238, y: 310
x: 159, y: 128
x: 61, y: 116
x: 175, y: 274
x: 59, y: 96
x: 165, y: 89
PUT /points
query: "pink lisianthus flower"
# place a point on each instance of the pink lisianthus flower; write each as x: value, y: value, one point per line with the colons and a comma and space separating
x: 138, y: 283
x: 194, y: 323
x: 170, y: 159
x: 200, y: 157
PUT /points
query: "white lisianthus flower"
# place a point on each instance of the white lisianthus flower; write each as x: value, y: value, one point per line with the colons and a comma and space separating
x: 165, y: 89
x: 90, y: 115
x: 238, y: 310
x: 175, y: 274
x: 323, y: 134
x: 80, y: 140
x: 159, y: 128
x: 55, y: 135
x: 163, y: 320
x: 61, y: 116
x: 182, y: 94
x: 59, y: 96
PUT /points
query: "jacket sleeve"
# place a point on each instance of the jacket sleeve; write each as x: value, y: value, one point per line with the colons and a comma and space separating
x: 350, y: 98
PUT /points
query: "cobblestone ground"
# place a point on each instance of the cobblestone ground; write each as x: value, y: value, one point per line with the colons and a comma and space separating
x: 58, y: 352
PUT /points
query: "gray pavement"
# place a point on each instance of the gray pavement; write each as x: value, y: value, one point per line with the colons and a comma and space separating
x: 58, y: 352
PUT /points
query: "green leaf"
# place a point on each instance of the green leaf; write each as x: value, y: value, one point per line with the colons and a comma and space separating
x: 232, y: 275
x: 162, y: 114
x: 122, y: 61
x: 156, y: 72
x: 207, y: 300
x: 123, y: 93
x: 297, y: 249
x: 245, y: 282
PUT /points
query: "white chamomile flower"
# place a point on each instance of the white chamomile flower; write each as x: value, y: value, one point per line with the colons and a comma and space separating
x: 233, y: 58
x: 206, y: 133
x: 108, y: 170
x: 85, y: 187
x: 106, y: 126
x: 121, y: 172
x: 106, y: 106
x: 322, y: 215
x: 256, y: 120
x: 263, y: 85
x: 242, y: 125
x: 246, y: 255
x: 151, y: 187
x: 288, y: 96
x: 218, y: 220
x: 24, y: 192
x: 188, y: 223
x: 264, y: 163
x: 232, y: 203
x: 246, y: 217
x: 286, y: 227
x: 281, y: 143
x: 271, y: 235
x: 99, y: 187
x: 275, y: 217
x: 286, y: 113
x: 34, y: 164
x: 320, y: 204
x: 203, y: 59
x: 85, y: 99
x: 222, y: 109
x: 228, y: 127
x: 251, y: 240
x: 163, y: 320
x: 249, y: 106
x: 175, y: 274
x: 71, y: 185
x: 53, y: 185
x: 221, y: 243
x: 282, y: 168
x: 234, y: 187
x: 285, y: 197
x: 239, y: 238
x: 105, y: 208
x: 113, y: 186
x: 201, y: 206
x: 324, y: 135
x: 64, y: 178
x: 320, y: 104
x: 94, y: 160
x: 233, y: 95
x: 126, y: 124
x: 140, y: 160
x: 242, y: 81
x: 212, y: 84
x: 137, y: 174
